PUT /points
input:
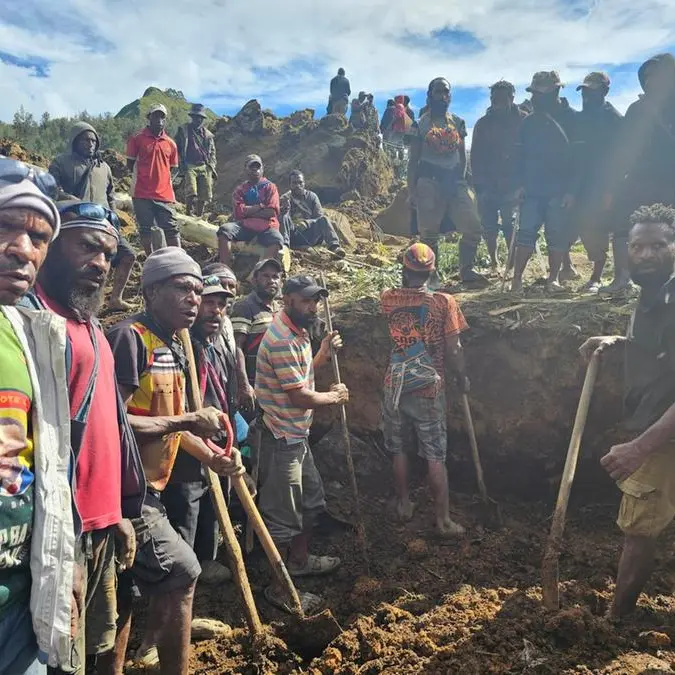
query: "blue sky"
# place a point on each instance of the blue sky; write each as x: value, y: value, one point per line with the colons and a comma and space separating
x: 99, y: 55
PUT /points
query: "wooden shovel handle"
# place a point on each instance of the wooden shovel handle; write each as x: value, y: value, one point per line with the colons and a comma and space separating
x: 475, y: 456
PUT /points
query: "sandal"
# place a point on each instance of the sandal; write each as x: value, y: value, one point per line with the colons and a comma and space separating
x: 316, y: 566
x: 310, y: 603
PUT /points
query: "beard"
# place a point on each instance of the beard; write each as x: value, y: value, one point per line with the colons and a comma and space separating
x: 653, y: 278
x: 61, y: 285
x: 301, y: 320
x: 439, y: 107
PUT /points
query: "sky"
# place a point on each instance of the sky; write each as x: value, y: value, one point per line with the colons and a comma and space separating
x: 97, y: 55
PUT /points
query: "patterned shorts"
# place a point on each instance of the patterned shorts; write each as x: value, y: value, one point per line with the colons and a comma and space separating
x: 426, y: 417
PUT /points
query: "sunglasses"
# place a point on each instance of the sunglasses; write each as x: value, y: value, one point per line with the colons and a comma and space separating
x: 92, y: 211
x: 14, y: 171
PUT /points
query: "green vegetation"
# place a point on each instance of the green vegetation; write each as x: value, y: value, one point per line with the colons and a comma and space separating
x: 49, y: 137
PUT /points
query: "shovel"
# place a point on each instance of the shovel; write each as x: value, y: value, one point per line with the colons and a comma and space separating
x: 512, y: 247
x: 311, y: 634
x: 549, y: 567
x: 492, y: 513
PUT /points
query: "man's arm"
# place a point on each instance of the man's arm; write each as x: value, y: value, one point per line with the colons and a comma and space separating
x: 201, y: 451
x: 306, y: 399
x: 317, y: 209
x: 270, y: 207
x: 132, y: 153
x: 55, y: 171
x: 413, y: 163
x: 110, y: 189
x: 478, y: 155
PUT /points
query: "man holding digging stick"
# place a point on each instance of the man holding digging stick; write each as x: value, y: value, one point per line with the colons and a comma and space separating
x: 644, y: 467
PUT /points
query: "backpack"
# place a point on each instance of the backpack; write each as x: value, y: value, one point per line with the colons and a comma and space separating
x: 399, y: 119
x: 412, y: 368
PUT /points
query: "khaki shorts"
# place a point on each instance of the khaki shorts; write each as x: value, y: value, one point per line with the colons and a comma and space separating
x: 436, y: 202
x: 648, y: 504
x: 199, y: 183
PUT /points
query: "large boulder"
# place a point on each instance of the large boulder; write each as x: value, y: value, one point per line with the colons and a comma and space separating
x: 395, y: 219
x: 332, y: 156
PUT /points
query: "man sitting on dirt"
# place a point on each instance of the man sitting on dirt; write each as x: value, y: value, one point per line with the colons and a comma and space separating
x: 424, y: 327
x: 643, y: 467
x: 151, y: 155
x: 599, y: 124
x: 83, y: 174
x: 340, y: 91
x: 197, y: 155
x: 437, y: 179
x: 547, y: 157
x: 252, y: 315
x: 108, y: 469
x: 493, y: 164
x: 256, y: 213
x: 291, y: 492
x: 646, y: 157
x: 357, y: 117
x: 303, y: 221
x: 151, y: 369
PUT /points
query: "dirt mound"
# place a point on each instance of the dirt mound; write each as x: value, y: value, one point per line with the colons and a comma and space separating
x: 333, y: 157
x: 10, y: 148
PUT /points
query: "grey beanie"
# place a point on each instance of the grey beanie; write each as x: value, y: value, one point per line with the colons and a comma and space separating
x: 27, y: 195
x: 168, y: 262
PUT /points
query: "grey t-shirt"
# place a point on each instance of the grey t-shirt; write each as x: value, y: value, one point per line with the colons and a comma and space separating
x: 435, y: 153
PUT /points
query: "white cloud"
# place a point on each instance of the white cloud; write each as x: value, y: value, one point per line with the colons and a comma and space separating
x: 104, y: 53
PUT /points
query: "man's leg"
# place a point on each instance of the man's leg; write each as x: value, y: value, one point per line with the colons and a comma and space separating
x: 227, y: 234
x: 432, y: 204
x: 166, y: 220
x: 273, y: 241
x: 145, y: 217
x: 123, y: 264
x: 635, y: 568
x: 204, y: 189
x: 463, y: 211
x: 396, y: 424
x: 557, y: 232
x: 489, y: 214
x: 595, y: 238
x: 190, y: 189
x: 531, y: 219
x: 112, y: 663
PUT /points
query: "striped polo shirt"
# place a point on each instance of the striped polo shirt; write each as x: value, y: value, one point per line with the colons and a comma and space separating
x: 284, y: 363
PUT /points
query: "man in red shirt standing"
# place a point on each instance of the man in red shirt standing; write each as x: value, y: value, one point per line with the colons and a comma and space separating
x: 151, y: 154
x: 71, y: 283
x: 256, y: 214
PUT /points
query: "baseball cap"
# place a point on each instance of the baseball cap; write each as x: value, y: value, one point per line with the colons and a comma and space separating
x: 159, y: 107
x: 212, y: 286
x: 250, y: 159
x: 595, y: 80
x: 545, y: 81
x: 304, y: 286
x: 267, y: 261
x: 419, y: 258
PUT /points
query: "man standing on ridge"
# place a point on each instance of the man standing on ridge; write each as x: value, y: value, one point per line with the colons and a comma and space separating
x: 493, y: 164
x: 151, y: 155
x: 437, y: 179
x: 197, y: 155
x: 83, y: 174
x: 340, y: 91
x: 256, y: 214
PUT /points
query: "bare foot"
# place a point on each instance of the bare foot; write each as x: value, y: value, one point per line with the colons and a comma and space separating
x: 119, y: 305
x: 405, y: 510
x: 449, y: 528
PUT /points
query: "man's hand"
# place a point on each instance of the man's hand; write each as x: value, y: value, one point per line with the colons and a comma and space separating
x: 126, y: 536
x: 333, y: 340
x: 599, y: 344
x: 567, y: 201
x: 463, y: 384
x: 250, y: 485
x: 341, y: 393
x: 77, y: 600
x: 226, y: 465
x: 246, y: 396
x: 284, y: 204
x: 624, y: 460
x: 206, y: 422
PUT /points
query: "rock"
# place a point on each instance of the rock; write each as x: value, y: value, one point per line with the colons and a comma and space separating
x: 395, y: 219
x: 128, y: 222
x: 116, y: 161
x: 378, y: 260
x: 209, y: 629
x: 342, y: 227
x: 333, y: 123
x: 351, y: 196
x: 654, y: 640
x: 10, y: 148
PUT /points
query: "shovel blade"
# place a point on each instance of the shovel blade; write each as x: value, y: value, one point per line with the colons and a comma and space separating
x: 309, y: 636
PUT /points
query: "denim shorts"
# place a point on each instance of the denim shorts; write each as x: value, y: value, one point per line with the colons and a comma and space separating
x: 546, y: 211
x: 237, y: 232
x: 421, y: 415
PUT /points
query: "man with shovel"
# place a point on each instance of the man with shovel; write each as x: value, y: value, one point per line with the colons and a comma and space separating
x: 291, y: 491
x: 425, y: 328
x: 644, y: 466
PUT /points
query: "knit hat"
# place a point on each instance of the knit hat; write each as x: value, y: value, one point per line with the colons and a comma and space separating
x: 27, y: 195
x: 168, y: 262
x: 419, y: 258
x: 77, y: 214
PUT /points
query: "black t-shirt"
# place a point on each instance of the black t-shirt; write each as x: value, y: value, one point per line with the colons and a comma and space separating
x: 650, y: 360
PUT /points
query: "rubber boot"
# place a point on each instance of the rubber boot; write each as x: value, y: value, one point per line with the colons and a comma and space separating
x: 467, y: 258
x: 621, y: 281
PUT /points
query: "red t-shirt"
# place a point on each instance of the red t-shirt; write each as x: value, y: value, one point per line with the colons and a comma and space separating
x: 98, y: 474
x: 265, y: 193
x: 155, y: 156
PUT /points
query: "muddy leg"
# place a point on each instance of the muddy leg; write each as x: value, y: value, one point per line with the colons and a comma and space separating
x: 299, y: 550
x: 122, y: 274
x: 404, y: 507
x: 146, y: 241
x: 635, y: 566
x: 225, y: 251
x: 112, y: 663
x: 522, y: 257
x: 555, y: 261
x: 438, y: 481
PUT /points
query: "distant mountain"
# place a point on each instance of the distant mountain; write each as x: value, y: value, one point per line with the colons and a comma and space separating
x: 174, y: 100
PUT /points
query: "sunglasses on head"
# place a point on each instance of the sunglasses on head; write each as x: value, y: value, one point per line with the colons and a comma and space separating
x: 92, y: 211
x: 14, y: 171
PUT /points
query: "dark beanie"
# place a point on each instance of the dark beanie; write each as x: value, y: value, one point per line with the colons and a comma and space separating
x: 168, y: 262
